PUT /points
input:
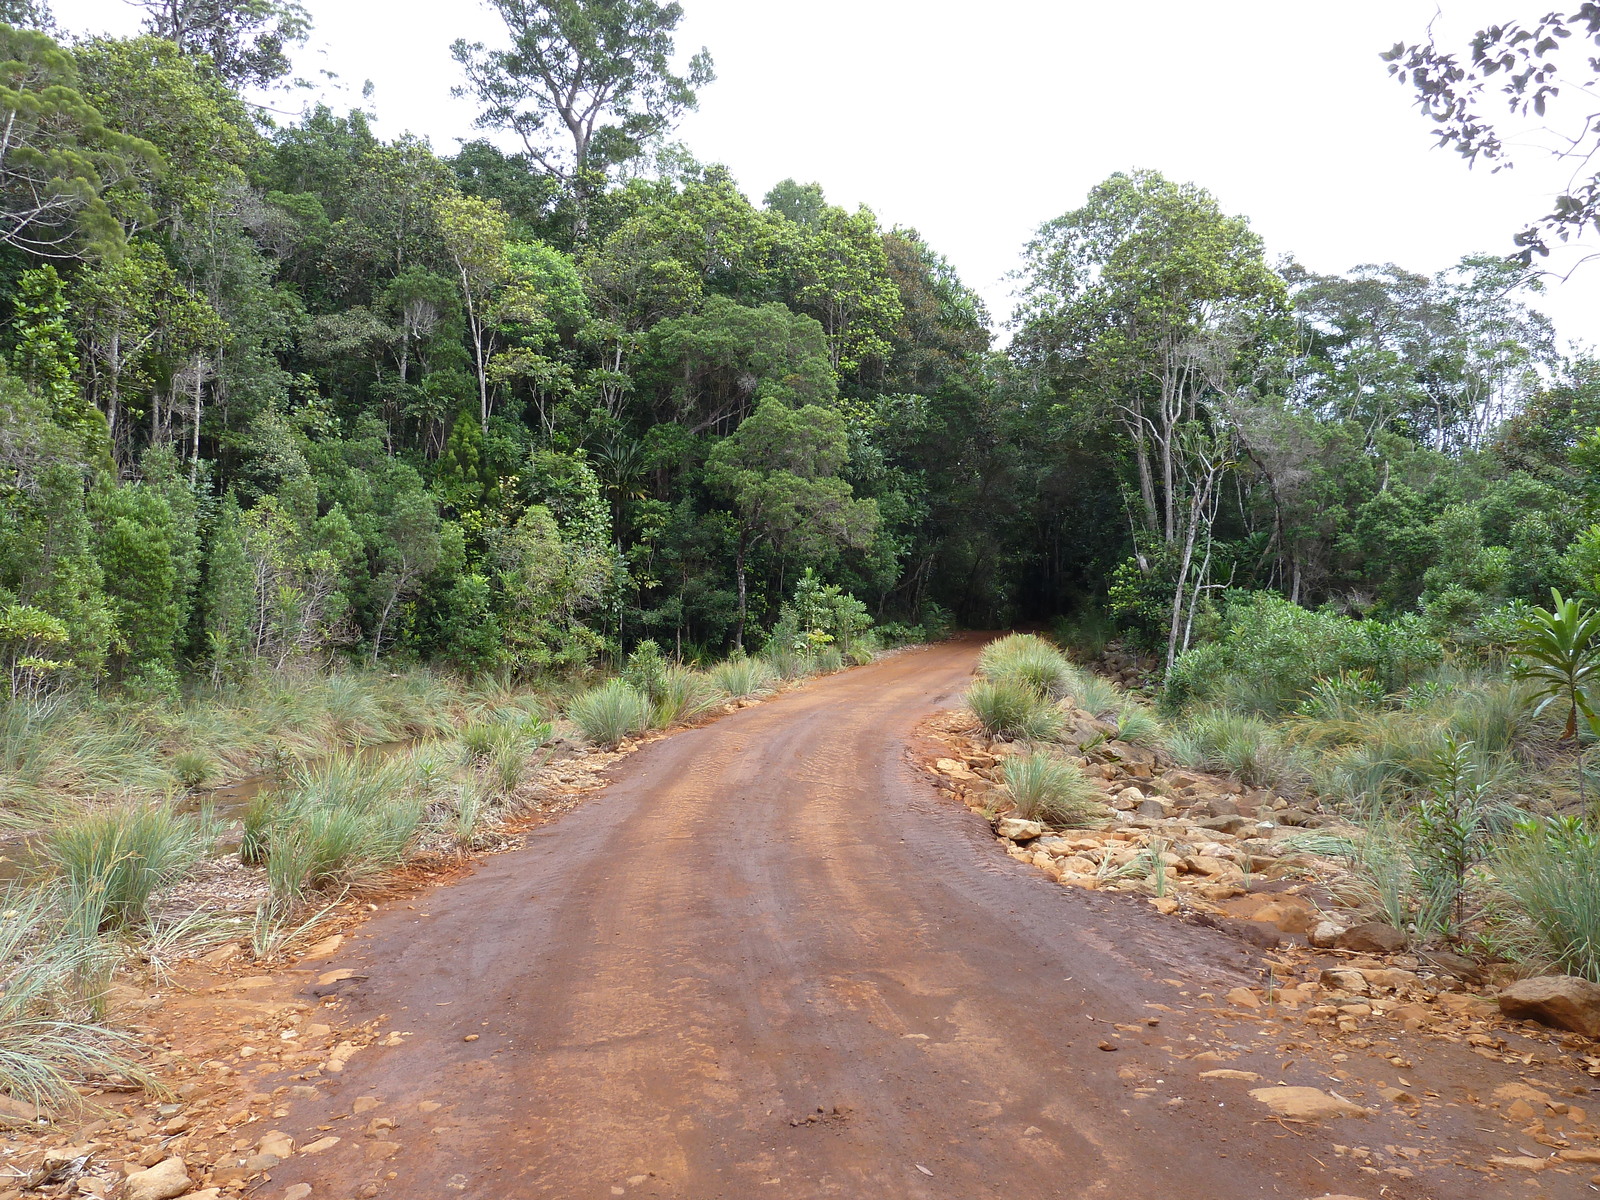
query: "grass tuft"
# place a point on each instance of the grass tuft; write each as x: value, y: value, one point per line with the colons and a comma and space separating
x: 1007, y: 708
x: 611, y: 712
x: 1045, y: 787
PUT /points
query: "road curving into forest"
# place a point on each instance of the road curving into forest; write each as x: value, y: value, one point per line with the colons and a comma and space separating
x: 771, y: 960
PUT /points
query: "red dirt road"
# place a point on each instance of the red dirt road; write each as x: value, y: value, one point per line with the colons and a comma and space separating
x: 771, y: 960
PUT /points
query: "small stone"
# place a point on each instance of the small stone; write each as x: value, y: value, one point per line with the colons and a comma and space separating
x: 380, y: 1150
x: 325, y: 948
x: 163, y: 1181
x: 1228, y: 1073
x: 1326, y: 934
x: 1518, y: 1162
x: 365, y: 1104
x: 1306, y: 1103
x: 297, y: 1191
x: 1019, y: 830
x: 1243, y: 997
x: 321, y: 1144
x: 275, y: 1143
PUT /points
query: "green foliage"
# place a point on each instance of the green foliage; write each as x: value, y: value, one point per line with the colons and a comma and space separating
x: 741, y: 677
x: 610, y: 713
x: 1046, y: 787
x: 682, y: 695
x: 1007, y: 708
x: 1271, y: 654
x: 1550, y: 869
x: 1237, y: 744
x: 112, y: 861
x: 1029, y: 660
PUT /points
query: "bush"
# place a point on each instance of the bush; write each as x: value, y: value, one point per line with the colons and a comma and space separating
x: 1028, y: 660
x: 646, y: 669
x: 194, y: 768
x: 611, y: 712
x: 787, y: 664
x: 1008, y: 709
x: 1045, y: 787
x: 740, y: 677
x: 1272, y: 653
x: 113, y: 860
x: 1238, y: 744
x: 829, y: 660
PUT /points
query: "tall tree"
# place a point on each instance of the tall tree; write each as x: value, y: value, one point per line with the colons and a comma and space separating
x: 597, y: 74
x: 246, y: 41
x: 59, y: 160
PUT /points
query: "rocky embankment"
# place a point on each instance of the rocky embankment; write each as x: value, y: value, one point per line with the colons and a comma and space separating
x: 1204, y: 850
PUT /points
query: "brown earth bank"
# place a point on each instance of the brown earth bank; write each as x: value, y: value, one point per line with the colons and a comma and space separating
x: 770, y: 958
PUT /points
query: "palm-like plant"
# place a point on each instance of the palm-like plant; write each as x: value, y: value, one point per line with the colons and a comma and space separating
x: 1559, y: 654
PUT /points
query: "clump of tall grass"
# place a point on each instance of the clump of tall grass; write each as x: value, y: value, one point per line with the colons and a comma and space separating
x: 829, y: 659
x: 1045, y: 787
x: 1095, y: 694
x: 611, y: 712
x: 741, y: 677
x: 49, y: 1041
x: 1007, y: 708
x: 1136, y: 723
x: 1550, y: 870
x: 112, y: 861
x: 1245, y: 747
x: 683, y: 695
x: 788, y: 664
x: 466, y: 815
x: 336, y: 822
x: 1029, y: 660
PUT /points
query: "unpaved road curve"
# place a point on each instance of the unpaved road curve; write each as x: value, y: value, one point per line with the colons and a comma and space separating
x: 765, y: 917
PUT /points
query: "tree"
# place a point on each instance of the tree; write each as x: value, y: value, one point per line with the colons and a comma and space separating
x: 1533, y: 67
x: 474, y: 233
x: 1150, y: 303
x: 780, y: 472
x: 59, y: 160
x: 409, y: 553
x: 246, y: 42
x: 596, y: 72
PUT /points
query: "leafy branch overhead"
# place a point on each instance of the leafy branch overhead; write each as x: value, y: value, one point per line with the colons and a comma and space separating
x: 1545, y: 69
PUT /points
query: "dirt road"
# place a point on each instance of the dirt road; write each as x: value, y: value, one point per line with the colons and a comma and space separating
x: 770, y: 960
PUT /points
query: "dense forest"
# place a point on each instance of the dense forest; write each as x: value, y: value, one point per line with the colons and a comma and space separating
x: 280, y: 393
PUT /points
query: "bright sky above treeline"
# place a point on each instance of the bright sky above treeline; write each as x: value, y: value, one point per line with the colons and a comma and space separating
x: 974, y: 124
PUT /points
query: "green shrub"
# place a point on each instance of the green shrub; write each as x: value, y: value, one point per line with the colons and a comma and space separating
x: 48, y: 1043
x: 113, y: 860
x: 646, y: 669
x: 862, y: 654
x: 611, y: 712
x: 1096, y: 695
x: 335, y: 846
x: 1238, y: 744
x: 829, y: 660
x: 1272, y: 653
x: 788, y: 664
x: 740, y: 677
x: 1045, y: 787
x: 1008, y: 709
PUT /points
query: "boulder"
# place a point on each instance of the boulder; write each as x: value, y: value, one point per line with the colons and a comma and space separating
x: 1019, y: 830
x: 1561, y: 1001
x: 163, y: 1181
x: 1306, y: 1103
x: 1153, y: 808
x: 1372, y: 937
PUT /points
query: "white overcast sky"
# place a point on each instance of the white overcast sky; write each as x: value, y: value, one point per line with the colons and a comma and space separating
x: 975, y: 123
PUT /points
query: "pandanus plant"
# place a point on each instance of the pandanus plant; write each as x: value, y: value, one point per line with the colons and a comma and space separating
x: 1559, y: 653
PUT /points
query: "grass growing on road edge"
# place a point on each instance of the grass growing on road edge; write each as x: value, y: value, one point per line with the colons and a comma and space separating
x: 608, y: 714
x: 1009, y: 708
x: 112, y: 861
x: 1046, y: 787
x: 741, y: 677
